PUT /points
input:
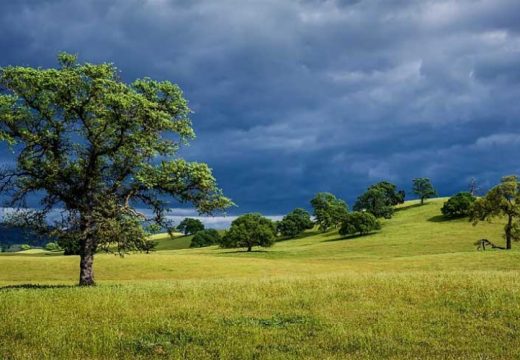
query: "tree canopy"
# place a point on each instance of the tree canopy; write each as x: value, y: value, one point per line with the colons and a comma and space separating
x: 205, y: 237
x: 423, y: 188
x: 190, y: 226
x: 250, y: 230
x: 295, y: 223
x: 329, y: 211
x: 502, y: 200
x: 97, y: 148
x: 359, y: 222
x: 458, y: 205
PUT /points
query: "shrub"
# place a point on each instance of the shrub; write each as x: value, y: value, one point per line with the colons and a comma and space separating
x: 24, y: 247
x: 52, y: 246
x: 458, y: 205
x: 359, y: 222
x: 250, y: 230
x: 206, y: 237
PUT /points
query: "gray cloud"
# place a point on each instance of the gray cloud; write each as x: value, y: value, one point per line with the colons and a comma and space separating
x: 294, y: 97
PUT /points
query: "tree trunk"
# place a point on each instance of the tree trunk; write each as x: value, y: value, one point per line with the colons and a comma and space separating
x: 86, y: 264
x: 422, y: 201
x: 509, y: 227
x: 249, y: 247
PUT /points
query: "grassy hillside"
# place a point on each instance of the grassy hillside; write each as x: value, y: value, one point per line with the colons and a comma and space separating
x: 416, y: 289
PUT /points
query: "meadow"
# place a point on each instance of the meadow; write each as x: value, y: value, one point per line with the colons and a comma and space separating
x: 416, y: 289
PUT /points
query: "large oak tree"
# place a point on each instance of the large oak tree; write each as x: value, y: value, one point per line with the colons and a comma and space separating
x: 95, y: 149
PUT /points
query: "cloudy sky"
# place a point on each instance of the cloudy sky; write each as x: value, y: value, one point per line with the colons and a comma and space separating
x: 295, y: 97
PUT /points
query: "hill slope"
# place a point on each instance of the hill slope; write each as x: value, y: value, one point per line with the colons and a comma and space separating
x: 417, y: 289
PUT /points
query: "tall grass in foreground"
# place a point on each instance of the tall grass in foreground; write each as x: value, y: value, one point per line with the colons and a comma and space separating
x: 444, y: 315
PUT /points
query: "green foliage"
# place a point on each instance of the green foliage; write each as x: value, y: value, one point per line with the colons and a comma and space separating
x: 70, y: 244
x: 148, y: 246
x: 294, y: 223
x: 329, y: 211
x: 359, y: 222
x: 91, y: 143
x: 250, y: 230
x: 393, y: 196
x: 190, y: 226
x: 458, y: 205
x: 206, y: 237
x: 502, y: 200
x: 53, y: 246
x: 375, y: 201
x: 423, y: 188
x: 24, y: 247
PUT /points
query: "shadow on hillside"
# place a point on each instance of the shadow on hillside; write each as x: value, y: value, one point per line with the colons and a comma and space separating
x: 304, y: 235
x: 441, y: 218
x: 438, y: 219
x: 407, y: 207
x: 350, y: 237
x: 34, y: 287
x: 245, y: 252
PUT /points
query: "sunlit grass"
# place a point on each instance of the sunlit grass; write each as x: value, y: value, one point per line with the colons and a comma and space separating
x: 416, y: 289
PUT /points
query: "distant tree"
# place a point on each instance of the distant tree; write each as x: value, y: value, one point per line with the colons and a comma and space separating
x: 294, y: 223
x: 206, y: 237
x: 458, y: 205
x: 24, y: 247
x: 394, y: 196
x: 98, y: 148
x: 501, y: 201
x: 53, y: 246
x: 359, y: 222
x: 376, y: 202
x: 423, y: 188
x: 250, y: 230
x: 190, y: 226
x: 329, y: 211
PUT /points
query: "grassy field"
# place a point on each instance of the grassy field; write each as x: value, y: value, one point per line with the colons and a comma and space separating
x: 416, y: 289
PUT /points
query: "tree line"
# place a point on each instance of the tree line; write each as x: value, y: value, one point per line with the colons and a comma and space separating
x: 329, y: 212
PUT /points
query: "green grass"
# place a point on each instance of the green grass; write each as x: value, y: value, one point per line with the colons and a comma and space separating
x: 416, y: 289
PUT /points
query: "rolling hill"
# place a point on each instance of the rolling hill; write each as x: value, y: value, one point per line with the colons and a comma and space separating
x: 416, y: 289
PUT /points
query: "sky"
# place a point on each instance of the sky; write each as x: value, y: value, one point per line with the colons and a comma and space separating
x: 291, y: 98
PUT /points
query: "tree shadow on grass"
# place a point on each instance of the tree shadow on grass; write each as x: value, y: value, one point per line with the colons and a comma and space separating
x: 442, y: 218
x: 34, y: 287
x: 245, y: 252
x: 407, y: 207
x: 351, y: 237
x: 303, y: 235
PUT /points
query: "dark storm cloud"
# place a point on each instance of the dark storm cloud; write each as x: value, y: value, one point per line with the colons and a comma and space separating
x: 294, y: 97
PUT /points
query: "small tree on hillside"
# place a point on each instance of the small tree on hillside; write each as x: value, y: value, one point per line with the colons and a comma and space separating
x: 190, y: 226
x: 502, y: 200
x: 329, y: 211
x: 250, y: 230
x: 96, y: 149
x: 359, y: 222
x: 423, y: 188
x: 458, y: 205
x: 295, y: 223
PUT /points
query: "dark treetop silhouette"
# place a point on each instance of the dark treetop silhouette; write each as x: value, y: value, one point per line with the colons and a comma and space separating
x: 96, y: 148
